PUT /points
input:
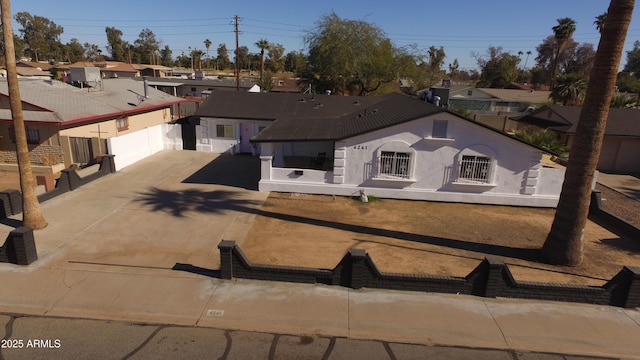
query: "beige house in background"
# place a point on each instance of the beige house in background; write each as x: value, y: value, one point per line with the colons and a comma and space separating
x: 69, y: 125
x: 495, y: 107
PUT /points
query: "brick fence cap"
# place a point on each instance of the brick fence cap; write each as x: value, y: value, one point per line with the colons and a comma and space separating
x: 226, y: 244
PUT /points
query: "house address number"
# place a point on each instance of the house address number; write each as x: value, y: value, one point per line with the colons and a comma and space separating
x: 361, y: 147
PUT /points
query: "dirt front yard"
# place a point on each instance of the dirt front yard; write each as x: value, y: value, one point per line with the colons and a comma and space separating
x: 425, y: 238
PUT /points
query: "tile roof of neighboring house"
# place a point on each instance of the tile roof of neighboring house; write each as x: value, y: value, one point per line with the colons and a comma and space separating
x: 120, y: 67
x: 621, y: 122
x: 64, y: 104
x: 75, y: 64
x: 45, y: 66
x: 28, y: 71
x: 103, y: 65
x: 155, y: 67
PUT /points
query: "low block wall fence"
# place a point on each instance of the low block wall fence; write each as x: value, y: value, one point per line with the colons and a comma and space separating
x: 491, y: 278
x: 69, y: 180
x: 607, y: 220
x: 19, y: 247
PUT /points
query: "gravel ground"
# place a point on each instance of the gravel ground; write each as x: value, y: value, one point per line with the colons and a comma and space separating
x: 620, y: 205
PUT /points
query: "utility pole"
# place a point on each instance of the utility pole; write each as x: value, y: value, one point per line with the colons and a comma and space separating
x: 237, y: 58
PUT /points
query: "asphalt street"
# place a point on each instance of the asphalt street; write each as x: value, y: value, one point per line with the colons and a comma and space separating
x: 35, y: 337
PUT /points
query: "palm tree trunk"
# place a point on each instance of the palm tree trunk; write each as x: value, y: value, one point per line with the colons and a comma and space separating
x: 564, y: 242
x: 31, y: 214
x: 261, y: 63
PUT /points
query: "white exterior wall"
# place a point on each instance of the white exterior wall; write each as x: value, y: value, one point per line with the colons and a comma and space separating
x: 517, y: 178
x: 136, y: 146
x: 207, y: 141
x: 172, y: 136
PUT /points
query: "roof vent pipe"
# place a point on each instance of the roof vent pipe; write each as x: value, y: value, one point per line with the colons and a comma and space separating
x: 146, y: 88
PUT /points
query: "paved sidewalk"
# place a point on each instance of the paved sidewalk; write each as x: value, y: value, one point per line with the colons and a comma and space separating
x: 111, y: 252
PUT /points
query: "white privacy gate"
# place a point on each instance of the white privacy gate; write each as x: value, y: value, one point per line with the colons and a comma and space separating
x: 136, y: 146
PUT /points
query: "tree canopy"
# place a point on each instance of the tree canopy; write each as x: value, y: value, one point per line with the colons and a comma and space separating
x: 342, y: 55
x: 146, y: 47
x: 349, y: 56
x: 116, y: 46
x: 40, y: 35
x: 498, y: 68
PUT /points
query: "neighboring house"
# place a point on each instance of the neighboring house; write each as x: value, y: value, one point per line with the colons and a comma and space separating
x: 496, y: 100
x: 154, y: 70
x: 68, y: 125
x: 286, y: 85
x: 495, y: 107
x: 621, y: 145
x: 28, y: 73
x: 32, y: 70
x: 391, y: 146
x: 108, y: 69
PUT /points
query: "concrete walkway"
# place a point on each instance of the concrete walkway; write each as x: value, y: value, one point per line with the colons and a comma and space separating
x: 113, y: 251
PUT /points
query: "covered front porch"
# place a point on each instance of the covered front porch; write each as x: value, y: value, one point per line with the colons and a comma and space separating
x: 297, y: 162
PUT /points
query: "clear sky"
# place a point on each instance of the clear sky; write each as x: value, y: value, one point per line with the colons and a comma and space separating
x: 461, y: 27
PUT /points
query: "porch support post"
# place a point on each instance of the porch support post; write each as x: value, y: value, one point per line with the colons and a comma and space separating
x: 265, y: 167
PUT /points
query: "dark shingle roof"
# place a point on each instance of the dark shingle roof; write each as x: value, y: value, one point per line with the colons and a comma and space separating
x: 621, y: 122
x: 318, y: 117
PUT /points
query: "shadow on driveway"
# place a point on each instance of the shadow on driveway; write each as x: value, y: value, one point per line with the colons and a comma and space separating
x: 229, y: 170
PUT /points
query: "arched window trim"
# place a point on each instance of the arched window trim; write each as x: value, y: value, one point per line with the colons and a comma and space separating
x: 395, y: 161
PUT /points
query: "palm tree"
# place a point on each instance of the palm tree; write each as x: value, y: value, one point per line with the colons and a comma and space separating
x: 31, y: 214
x: 599, y: 23
x: 196, y: 56
x: 263, y: 45
x: 520, y: 53
x: 569, y: 89
x: 207, y: 44
x: 562, y: 33
x: 525, y: 62
x: 564, y: 242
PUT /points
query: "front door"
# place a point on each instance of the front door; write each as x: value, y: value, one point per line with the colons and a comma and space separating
x: 188, y: 136
x: 246, y: 132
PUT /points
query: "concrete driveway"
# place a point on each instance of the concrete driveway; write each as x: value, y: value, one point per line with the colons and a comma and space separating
x: 172, y: 208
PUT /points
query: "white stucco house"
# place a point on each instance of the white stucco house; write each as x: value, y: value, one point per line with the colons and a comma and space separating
x: 391, y: 146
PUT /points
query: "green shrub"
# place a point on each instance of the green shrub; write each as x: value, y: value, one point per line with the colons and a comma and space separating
x: 542, y: 138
